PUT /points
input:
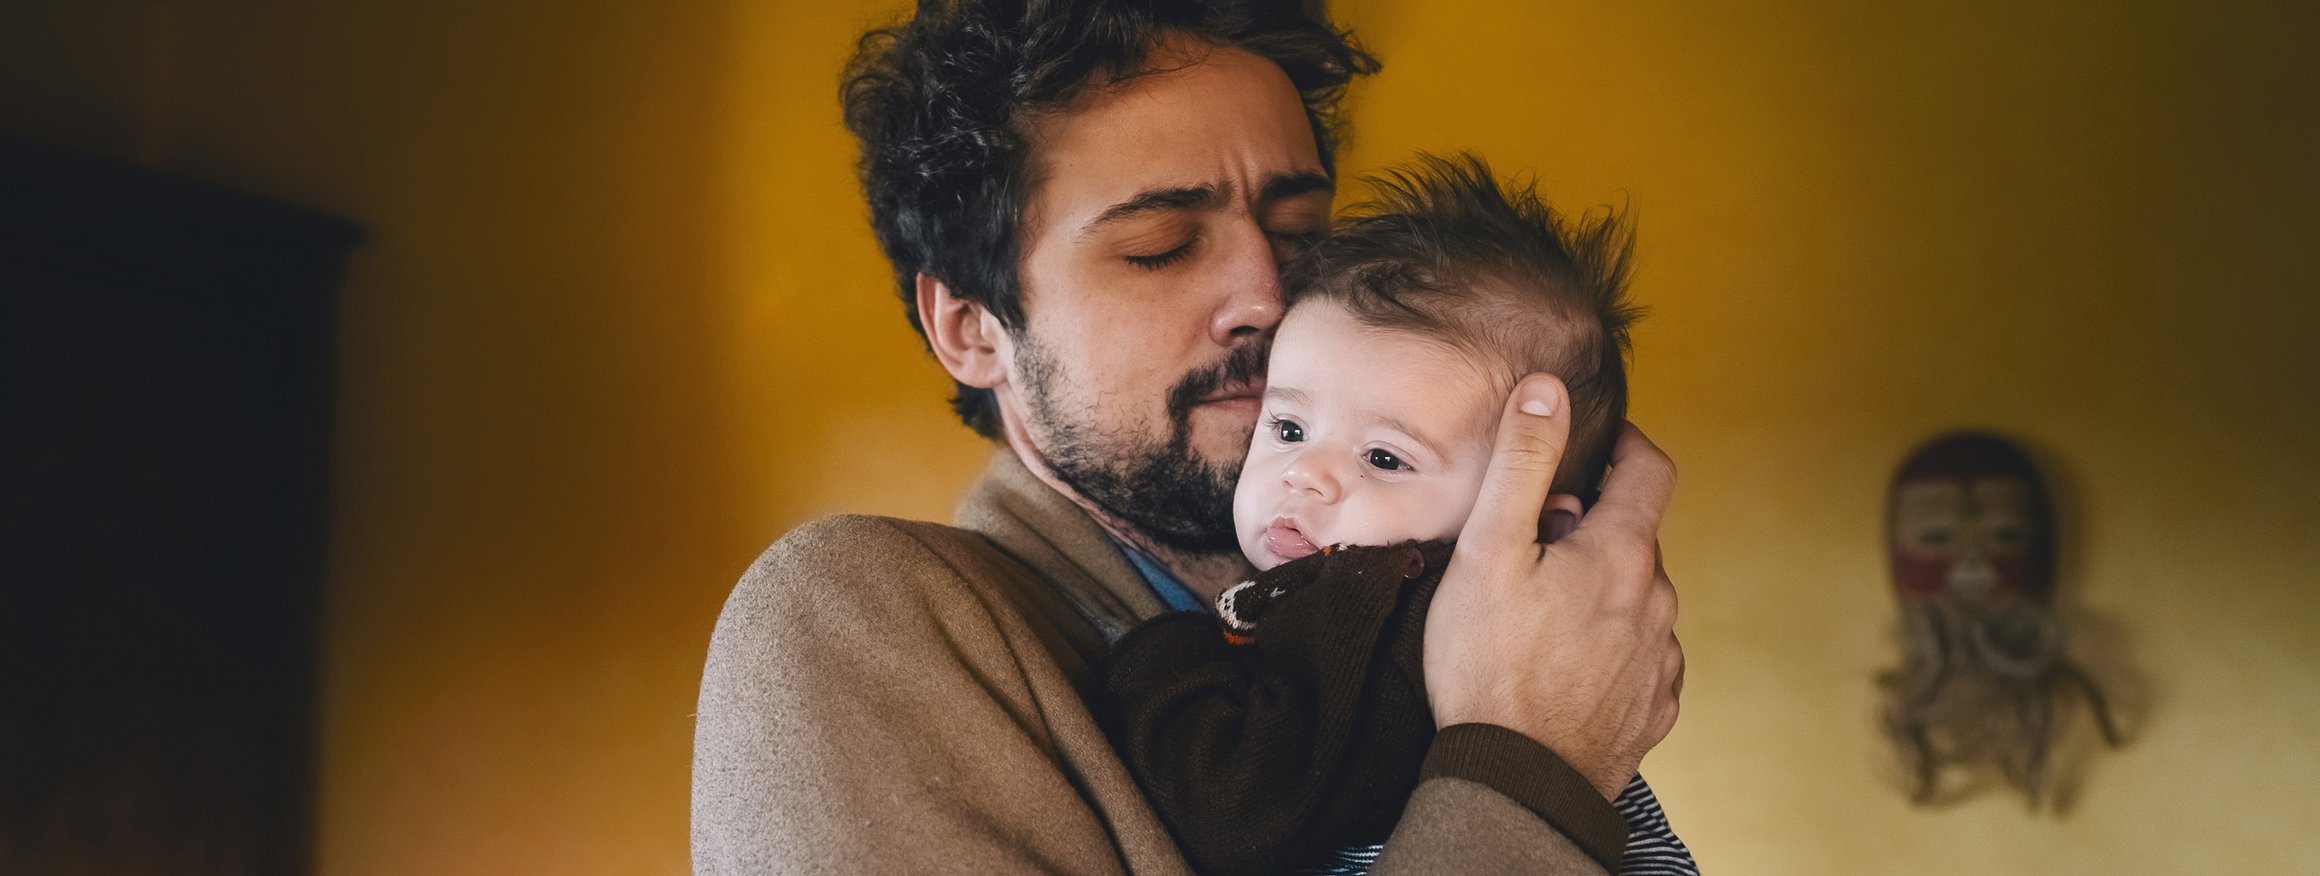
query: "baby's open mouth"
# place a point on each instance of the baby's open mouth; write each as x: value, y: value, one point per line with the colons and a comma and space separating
x: 1286, y: 541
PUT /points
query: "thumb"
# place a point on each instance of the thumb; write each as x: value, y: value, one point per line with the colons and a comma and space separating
x: 1532, y: 432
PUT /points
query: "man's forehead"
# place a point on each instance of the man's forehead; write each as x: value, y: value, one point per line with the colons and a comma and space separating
x: 1223, y: 124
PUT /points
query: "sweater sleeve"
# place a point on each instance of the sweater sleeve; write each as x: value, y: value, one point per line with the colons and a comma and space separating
x: 1260, y: 756
x: 1458, y: 825
x: 1531, y: 775
x: 862, y: 711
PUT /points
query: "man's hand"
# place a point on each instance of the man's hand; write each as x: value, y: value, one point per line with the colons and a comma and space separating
x: 1572, y: 643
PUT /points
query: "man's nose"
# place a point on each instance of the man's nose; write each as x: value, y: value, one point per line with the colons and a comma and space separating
x: 1251, y: 303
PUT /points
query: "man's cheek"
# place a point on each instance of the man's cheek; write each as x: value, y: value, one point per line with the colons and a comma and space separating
x: 1220, y: 437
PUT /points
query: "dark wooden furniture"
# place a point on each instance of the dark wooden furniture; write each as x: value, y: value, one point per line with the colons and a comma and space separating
x: 165, y: 382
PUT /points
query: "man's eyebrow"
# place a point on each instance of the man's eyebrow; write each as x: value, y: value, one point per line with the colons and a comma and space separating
x: 1290, y: 185
x: 1177, y: 198
x: 1277, y: 187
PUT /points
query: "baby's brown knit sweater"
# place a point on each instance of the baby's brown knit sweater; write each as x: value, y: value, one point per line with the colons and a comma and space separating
x: 1294, y: 724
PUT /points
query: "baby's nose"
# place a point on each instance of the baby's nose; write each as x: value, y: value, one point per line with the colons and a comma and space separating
x: 1312, y: 475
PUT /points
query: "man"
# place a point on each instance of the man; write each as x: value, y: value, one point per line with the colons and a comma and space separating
x: 1086, y: 203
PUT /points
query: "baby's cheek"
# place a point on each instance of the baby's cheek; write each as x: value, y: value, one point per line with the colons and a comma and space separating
x: 1247, y: 503
x: 1252, y: 512
x: 1443, y: 523
x: 1411, y: 515
x: 1449, y: 510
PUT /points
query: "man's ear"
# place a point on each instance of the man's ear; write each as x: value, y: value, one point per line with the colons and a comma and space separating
x: 968, y: 341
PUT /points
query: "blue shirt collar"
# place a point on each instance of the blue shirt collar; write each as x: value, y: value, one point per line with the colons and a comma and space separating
x: 1164, y: 584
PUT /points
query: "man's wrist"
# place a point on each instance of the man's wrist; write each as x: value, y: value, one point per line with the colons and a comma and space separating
x: 1534, y: 776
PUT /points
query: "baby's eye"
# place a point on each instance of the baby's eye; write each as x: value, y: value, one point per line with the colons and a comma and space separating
x: 1383, y: 459
x: 1288, y: 431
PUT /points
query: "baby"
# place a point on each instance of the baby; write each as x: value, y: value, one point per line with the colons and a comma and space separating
x: 1288, y: 730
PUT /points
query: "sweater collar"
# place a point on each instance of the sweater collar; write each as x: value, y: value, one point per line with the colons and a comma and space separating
x: 1044, y: 530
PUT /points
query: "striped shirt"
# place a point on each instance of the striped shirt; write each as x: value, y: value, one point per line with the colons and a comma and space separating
x: 1652, y: 846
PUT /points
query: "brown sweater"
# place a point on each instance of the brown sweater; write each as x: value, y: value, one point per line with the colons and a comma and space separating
x: 889, y: 696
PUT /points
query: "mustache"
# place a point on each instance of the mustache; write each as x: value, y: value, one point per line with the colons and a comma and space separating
x: 1245, y: 363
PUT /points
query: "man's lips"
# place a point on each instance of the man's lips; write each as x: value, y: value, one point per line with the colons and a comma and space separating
x: 1285, y: 540
x: 1253, y: 391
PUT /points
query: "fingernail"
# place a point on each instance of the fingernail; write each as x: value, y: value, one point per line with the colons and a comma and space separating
x: 1540, y: 407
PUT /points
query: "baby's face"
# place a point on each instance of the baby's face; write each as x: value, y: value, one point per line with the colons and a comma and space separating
x: 1368, y: 436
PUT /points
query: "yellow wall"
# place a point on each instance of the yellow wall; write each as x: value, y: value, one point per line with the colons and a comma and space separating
x: 619, y: 322
x: 2087, y: 225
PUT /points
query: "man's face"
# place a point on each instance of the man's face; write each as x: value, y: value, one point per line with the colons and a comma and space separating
x: 1149, y: 278
x: 1369, y: 436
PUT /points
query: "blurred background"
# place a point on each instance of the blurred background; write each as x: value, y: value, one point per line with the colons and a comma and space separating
x: 615, y: 321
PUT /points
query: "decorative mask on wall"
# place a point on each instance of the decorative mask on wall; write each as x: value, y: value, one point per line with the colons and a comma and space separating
x: 1984, y: 683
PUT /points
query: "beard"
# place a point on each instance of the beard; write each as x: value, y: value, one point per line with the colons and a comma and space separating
x: 1162, y: 487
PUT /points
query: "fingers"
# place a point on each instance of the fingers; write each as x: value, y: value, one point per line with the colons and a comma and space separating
x: 1672, y: 663
x: 1532, y: 432
x: 1672, y: 668
x: 1667, y: 702
x: 1659, y: 606
x: 1660, y: 611
x: 1664, y: 722
x: 1559, y: 517
x: 1637, y: 491
x: 1660, y: 581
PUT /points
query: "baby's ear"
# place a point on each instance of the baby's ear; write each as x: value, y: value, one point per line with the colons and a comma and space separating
x: 1559, y: 517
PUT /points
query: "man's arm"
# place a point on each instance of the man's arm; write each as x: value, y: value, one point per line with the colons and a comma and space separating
x: 862, y: 711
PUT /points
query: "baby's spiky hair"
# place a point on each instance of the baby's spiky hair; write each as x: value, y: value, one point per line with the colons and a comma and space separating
x: 1444, y: 250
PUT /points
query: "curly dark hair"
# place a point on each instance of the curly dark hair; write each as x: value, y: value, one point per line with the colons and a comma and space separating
x: 941, y: 103
x: 1445, y: 250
